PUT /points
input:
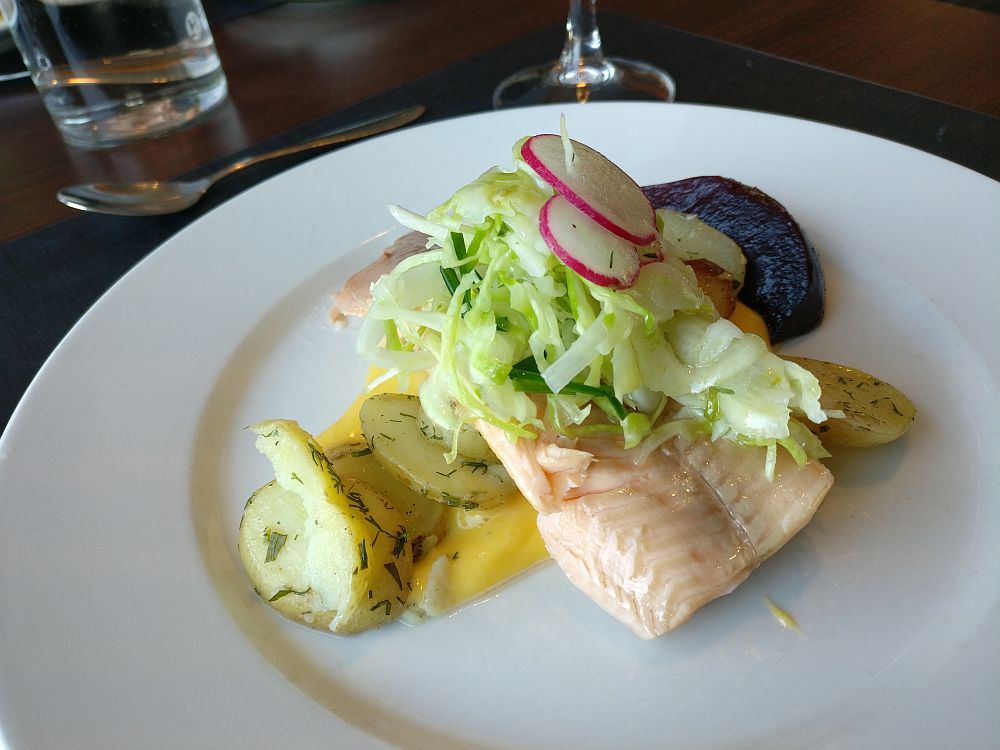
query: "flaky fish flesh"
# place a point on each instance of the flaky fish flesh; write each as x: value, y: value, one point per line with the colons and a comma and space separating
x: 652, y: 541
x: 355, y: 297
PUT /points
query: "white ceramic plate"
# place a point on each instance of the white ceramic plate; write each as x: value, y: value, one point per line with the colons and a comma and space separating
x: 125, y: 620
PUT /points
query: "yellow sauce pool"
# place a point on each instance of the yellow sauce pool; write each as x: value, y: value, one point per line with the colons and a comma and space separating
x: 476, y: 551
x: 750, y: 322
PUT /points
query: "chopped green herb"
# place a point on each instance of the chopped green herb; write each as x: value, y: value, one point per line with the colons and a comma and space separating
x: 450, y: 279
x: 394, y: 572
x: 356, y: 502
x: 476, y: 466
x: 456, y: 502
x: 275, y: 541
x: 458, y: 242
x: 429, y: 432
x: 286, y: 592
x: 526, y: 378
x: 402, y: 536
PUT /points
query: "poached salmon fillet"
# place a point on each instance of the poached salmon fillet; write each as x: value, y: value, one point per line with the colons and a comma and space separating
x: 652, y: 540
x: 355, y: 297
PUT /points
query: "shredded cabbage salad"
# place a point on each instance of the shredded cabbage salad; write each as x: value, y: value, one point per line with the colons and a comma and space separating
x: 490, y: 315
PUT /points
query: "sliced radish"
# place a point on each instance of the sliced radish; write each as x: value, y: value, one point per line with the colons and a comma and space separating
x: 586, y: 246
x: 595, y: 185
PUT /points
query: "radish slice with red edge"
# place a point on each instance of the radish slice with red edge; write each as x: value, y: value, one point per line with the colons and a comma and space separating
x: 593, y: 184
x: 586, y: 246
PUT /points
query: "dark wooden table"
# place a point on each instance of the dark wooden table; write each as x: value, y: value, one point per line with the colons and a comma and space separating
x: 292, y: 63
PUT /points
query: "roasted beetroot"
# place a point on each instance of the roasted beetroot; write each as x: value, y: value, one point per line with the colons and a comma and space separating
x: 784, y: 279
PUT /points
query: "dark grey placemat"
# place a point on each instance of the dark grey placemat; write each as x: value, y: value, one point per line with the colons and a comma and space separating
x: 50, y: 278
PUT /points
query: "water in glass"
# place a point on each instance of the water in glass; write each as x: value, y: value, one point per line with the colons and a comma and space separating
x: 113, y: 71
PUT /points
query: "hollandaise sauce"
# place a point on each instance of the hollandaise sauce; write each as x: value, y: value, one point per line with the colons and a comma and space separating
x: 463, y: 554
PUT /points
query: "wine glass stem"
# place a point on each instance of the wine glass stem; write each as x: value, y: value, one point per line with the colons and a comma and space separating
x: 582, y: 61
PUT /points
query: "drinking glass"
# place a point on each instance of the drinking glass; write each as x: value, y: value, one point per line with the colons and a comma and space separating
x: 582, y: 73
x: 115, y: 71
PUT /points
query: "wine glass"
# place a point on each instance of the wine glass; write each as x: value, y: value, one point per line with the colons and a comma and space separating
x: 582, y: 73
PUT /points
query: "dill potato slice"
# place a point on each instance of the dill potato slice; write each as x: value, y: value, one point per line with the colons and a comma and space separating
x: 327, y: 552
x: 422, y: 516
x: 471, y: 445
x: 875, y: 412
x: 408, y: 447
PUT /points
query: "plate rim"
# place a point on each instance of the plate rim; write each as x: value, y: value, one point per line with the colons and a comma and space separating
x: 18, y: 416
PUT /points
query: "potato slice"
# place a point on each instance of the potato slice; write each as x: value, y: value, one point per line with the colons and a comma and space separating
x: 391, y: 423
x: 277, y: 569
x: 717, y: 284
x: 421, y: 515
x: 471, y: 444
x: 329, y: 553
x: 875, y: 412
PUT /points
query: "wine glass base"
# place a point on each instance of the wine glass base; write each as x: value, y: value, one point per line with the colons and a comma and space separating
x: 619, y: 80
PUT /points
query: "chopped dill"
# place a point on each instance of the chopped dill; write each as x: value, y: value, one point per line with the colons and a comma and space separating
x: 475, y: 466
x: 363, y: 554
x: 456, y: 502
x: 394, y: 572
x: 285, y: 592
x: 275, y: 541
